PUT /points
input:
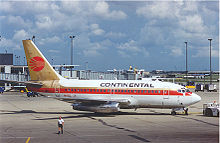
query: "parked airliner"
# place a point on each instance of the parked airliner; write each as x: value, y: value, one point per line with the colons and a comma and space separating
x: 104, y: 96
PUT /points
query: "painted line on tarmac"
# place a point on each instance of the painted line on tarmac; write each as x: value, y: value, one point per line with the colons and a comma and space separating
x: 28, y: 139
x: 13, y: 137
x: 191, y: 113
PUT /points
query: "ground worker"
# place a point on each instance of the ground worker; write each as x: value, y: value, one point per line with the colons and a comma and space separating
x: 60, y: 125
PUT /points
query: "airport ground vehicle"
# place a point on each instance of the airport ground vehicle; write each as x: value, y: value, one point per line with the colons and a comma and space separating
x: 190, y: 84
x: 2, y: 89
x: 211, y: 87
x: 211, y: 109
x: 199, y: 87
x: 31, y: 93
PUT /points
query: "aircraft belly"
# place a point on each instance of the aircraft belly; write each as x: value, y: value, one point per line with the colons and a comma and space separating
x: 141, y: 101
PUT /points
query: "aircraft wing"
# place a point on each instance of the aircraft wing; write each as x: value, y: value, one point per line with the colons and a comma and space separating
x: 92, y: 101
x: 28, y: 83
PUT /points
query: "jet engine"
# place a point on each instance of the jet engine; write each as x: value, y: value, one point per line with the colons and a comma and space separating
x: 108, y: 107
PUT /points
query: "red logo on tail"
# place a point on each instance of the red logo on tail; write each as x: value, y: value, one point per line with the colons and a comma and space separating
x: 37, y: 63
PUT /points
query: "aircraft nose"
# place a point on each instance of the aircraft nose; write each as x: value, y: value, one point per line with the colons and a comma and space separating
x: 195, y: 98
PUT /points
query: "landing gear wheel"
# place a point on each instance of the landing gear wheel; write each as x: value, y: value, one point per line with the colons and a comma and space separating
x: 208, y: 112
x: 173, y: 113
x: 186, y: 111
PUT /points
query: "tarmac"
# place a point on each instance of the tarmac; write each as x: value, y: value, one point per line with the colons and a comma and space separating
x: 34, y: 120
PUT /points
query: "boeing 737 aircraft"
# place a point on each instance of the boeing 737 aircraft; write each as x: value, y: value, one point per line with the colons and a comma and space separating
x: 104, y: 96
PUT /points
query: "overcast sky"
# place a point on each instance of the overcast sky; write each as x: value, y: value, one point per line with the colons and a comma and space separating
x: 114, y: 35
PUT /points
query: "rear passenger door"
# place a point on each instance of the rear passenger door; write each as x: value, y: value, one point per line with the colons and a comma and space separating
x: 166, y: 93
x: 57, y: 91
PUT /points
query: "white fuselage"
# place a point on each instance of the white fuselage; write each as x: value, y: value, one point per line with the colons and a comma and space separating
x: 139, y: 93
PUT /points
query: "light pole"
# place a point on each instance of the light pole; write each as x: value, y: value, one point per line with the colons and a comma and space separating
x: 87, y: 65
x: 18, y: 60
x: 186, y: 64
x: 71, y: 55
x: 15, y: 60
x: 24, y: 61
x: 52, y: 62
x: 210, y: 40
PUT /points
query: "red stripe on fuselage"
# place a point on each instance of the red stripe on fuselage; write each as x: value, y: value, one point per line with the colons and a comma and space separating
x: 109, y: 91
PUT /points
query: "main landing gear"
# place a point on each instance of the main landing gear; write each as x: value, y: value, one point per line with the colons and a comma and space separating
x: 185, y: 111
x: 173, y: 112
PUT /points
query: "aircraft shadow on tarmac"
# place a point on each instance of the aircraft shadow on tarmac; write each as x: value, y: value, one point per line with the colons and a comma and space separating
x: 91, y: 115
x: 77, y: 114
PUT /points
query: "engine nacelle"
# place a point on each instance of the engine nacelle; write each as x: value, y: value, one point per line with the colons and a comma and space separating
x: 102, y: 108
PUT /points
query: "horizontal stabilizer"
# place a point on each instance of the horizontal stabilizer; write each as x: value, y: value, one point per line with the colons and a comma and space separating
x: 28, y: 83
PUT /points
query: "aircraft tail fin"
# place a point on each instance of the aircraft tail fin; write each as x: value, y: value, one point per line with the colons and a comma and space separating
x: 39, y: 68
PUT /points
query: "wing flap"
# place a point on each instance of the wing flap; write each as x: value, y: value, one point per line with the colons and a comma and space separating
x: 92, y: 101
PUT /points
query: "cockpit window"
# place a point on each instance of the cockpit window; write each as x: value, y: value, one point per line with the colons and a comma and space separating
x: 183, y: 90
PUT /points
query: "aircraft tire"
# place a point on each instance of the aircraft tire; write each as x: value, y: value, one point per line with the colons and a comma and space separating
x: 186, y: 111
x: 173, y: 113
x: 208, y: 112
